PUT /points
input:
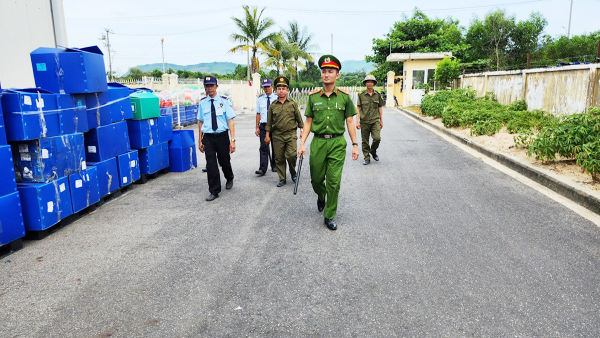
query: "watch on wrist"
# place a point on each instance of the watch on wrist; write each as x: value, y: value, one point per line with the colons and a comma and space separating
x: 354, y: 144
x: 232, y: 140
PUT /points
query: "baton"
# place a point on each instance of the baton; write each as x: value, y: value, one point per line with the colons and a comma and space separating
x: 298, y: 174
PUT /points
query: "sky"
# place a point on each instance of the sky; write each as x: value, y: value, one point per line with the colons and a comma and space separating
x: 197, y: 31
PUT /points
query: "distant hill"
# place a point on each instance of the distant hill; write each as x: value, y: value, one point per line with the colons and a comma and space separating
x: 229, y: 67
x: 212, y: 67
x: 356, y: 65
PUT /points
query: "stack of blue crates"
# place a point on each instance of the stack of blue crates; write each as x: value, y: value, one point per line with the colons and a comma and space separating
x: 12, y: 228
x: 151, y: 138
x: 181, y: 115
x: 182, y: 151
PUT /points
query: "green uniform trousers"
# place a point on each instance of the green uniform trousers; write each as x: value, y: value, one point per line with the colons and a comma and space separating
x: 286, y: 149
x: 327, y: 157
x: 366, y: 130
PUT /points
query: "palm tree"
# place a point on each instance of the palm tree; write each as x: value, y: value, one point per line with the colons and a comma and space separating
x: 279, y: 54
x: 253, y: 34
x: 302, y: 40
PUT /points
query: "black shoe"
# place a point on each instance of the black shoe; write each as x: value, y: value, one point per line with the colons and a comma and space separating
x: 274, y: 170
x: 204, y: 170
x: 375, y: 157
x: 281, y: 183
x: 211, y: 197
x: 294, y: 178
x: 365, y: 162
x: 260, y: 172
x: 330, y: 223
x: 320, y: 205
x: 229, y: 184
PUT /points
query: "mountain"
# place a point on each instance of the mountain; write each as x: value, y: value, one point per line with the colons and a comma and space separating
x: 212, y: 67
x: 356, y: 65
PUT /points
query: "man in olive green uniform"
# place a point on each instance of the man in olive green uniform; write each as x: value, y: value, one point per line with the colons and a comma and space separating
x: 284, y: 119
x: 369, y: 106
x: 326, y: 112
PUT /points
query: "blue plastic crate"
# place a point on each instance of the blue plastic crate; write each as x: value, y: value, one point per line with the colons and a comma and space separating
x: 98, y: 109
x: 72, y: 114
x: 11, y: 218
x: 165, y: 129
x: 84, y: 189
x: 45, y: 204
x: 143, y: 133
x: 29, y: 114
x: 108, y: 176
x: 129, y: 168
x: 120, y: 103
x: 154, y: 158
x: 70, y: 71
x: 48, y: 158
x: 182, y: 151
x: 8, y: 183
x: 106, y: 142
x: 3, y: 139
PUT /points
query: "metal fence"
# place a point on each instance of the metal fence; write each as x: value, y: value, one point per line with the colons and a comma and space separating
x: 301, y: 95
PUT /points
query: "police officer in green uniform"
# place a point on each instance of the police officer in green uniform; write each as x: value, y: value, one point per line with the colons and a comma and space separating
x: 326, y: 112
x: 283, y: 121
x: 370, y: 118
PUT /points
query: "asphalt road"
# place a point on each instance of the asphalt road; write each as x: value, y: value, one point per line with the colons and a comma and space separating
x: 432, y: 242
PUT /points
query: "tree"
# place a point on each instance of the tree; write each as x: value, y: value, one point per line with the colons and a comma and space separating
x: 417, y: 34
x: 136, y: 73
x: 577, y: 48
x: 446, y: 71
x: 156, y: 73
x: 302, y: 40
x: 253, y: 34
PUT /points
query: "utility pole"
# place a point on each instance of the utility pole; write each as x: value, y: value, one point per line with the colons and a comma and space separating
x: 107, y: 44
x: 162, y: 46
x: 570, y: 11
x: 331, y: 43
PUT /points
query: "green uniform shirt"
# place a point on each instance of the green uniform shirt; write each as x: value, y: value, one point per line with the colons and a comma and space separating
x: 329, y: 114
x: 284, y: 117
x: 369, y: 106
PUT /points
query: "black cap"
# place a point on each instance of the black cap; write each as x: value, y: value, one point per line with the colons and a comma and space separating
x: 210, y: 80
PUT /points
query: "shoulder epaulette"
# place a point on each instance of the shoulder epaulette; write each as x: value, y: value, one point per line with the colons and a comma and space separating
x: 203, y: 98
x: 314, y: 91
x: 363, y: 92
x: 344, y: 91
x: 224, y: 97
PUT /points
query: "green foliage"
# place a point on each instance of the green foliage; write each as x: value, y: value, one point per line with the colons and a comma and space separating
x: 523, y: 139
x: 486, y: 127
x: 589, y: 159
x: 435, y: 103
x: 577, y: 48
x: 518, y: 105
x: 446, y: 71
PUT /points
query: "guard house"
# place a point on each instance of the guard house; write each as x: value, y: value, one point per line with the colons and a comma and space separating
x: 419, y: 68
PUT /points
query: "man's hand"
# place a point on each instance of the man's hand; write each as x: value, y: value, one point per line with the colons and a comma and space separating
x: 231, y: 147
x: 301, y: 150
x: 355, y: 153
x: 357, y: 125
x: 257, y: 132
x: 201, y: 147
x: 267, y: 139
x: 381, y: 124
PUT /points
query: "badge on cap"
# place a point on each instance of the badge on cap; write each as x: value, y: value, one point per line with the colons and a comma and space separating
x: 207, y: 78
x: 327, y: 60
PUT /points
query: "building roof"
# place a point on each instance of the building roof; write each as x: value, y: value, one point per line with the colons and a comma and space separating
x: 401, y: 57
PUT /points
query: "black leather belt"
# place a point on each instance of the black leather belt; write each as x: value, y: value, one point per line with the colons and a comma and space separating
x: 327, y: 135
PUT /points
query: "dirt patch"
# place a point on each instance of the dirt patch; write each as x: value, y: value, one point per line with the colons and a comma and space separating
x: 504, y: 143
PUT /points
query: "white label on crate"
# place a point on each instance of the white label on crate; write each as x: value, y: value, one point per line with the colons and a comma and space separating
x: 27, y: 100
x: 133, y: 163
x: 92, y: 149
x: 25, y: 157
x: 78, y: 184
x: 50, y: 206
x: 23, y: 148
x: 62, y: 187
x: 83, y: 165
x: 45, y: 153
x: 87, y: 177
x: 151, y: 142
x: 40, y: 102
x: 124, y: 180
x: 132, y: 108
x: 151, y: 122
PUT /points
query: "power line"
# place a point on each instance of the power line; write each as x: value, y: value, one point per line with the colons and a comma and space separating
x: 160, y: 16
x: 179, y: 33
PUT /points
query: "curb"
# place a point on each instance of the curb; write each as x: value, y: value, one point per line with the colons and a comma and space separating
x: 557, y: 185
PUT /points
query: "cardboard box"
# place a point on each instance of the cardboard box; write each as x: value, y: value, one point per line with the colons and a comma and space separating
x: 8, y: 183
x: 11, y: 218
x: 29, y: 114
x: 70, y: 70
x: 98, y: 109
x: 182, y: 151
x: 45, y: 204
x: 72, y: 113
x: 145, y: 105
x: 165, y: 129
x: 120, y: 103
x: 48, y: 158
x: 143, y: 133
x: 84, y: 189
x: 106, y: 142
x: 129, y: 168
x: 108, y: 176
x: 154, y: 158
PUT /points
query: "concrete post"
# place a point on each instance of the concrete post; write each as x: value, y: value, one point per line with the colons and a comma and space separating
x: 165, y: 81
x: 389, y: 102
x: 173, y: 80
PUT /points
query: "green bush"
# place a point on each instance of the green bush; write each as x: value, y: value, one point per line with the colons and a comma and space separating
x: 486, y: 127
x: 519, y: 105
